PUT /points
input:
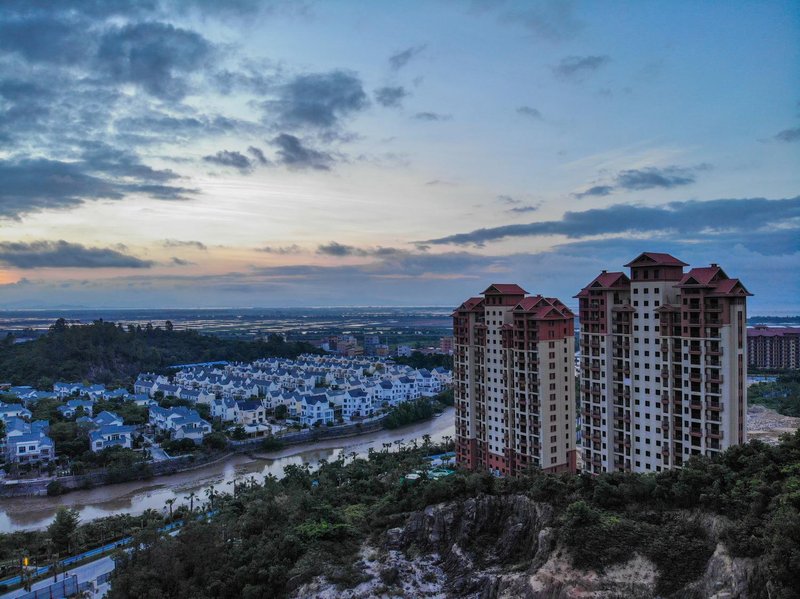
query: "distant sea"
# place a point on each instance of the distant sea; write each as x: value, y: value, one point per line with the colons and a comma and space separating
x: 296, y: 322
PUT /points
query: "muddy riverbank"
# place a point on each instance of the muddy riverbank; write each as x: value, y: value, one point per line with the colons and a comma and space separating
x: 135, y: 497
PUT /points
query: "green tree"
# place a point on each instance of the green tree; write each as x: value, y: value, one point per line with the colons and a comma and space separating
x: 62, y: 530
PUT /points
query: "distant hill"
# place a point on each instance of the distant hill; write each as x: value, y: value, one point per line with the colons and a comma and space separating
x: 784, y: 320
x: 105, y: 352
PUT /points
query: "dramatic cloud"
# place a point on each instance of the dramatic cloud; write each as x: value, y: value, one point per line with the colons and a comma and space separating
x: 391, y: 97
x: 649, y: 178
x: 235, y: 160
x: 686, y: 218
x: 45, y: 39
x: 281, y: 250
x: 524, y: 209
x: 789, y: 135
x: 337, y: 249
x: 576, y: 67
x: 180, y: 262
x: 176, y: 243
x: 529, y: 111
x: 258, y: 156
x: 62, y: 254
x: 401, y: 59
x: 597, y: 190
x: 292, y: 153
x: 104, y: 158
x: 646, y: 178
x: 155, y: 56
x: 317, y: 100
x: 32, y: 185
x: 432, y: 116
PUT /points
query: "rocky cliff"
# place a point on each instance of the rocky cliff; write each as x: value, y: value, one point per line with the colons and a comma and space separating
x: 496, y: 547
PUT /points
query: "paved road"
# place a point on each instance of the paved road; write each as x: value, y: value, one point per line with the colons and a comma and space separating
x: 84, y: 573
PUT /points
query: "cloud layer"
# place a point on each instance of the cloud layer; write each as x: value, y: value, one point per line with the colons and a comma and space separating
x: 62, y: 254
x: 685, y: 219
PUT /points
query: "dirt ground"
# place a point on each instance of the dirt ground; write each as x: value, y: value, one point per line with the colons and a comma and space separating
x: 767, y: 425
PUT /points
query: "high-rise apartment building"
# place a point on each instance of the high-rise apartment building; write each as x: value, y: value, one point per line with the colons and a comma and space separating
x: 773, y: 347
x: 663, y: 365
x: 514, y: 382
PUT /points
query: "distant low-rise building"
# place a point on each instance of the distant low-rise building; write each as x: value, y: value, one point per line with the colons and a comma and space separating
x: 179, y: 423
x: 74, y: 406
x: 30, y: 448
x: 316, y: 410
x: 773, y: 347
x: 13, y: 410
x: 111, y: 436
x: 250, y: 412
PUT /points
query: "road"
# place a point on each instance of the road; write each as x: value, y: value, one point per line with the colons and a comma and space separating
x: 86, y: 572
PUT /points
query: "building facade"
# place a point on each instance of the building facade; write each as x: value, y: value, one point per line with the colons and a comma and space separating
x: 663, y: 365
x: 514, y: 382
x: 773, y: 347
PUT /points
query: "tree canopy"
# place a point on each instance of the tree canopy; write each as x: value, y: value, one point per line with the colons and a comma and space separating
x: 109, y: 353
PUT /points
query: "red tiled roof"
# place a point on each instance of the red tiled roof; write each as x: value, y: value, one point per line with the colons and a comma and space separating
x: 728, y: 286
x: 468, y: 305
x: 605, y: 280
x: 541, y: 307
x: 701, y: 276
x: 762, y: 331
x: 657, y: 258
x: 505, y: 289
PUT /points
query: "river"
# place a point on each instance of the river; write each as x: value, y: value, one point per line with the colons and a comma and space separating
x: 20, y: 513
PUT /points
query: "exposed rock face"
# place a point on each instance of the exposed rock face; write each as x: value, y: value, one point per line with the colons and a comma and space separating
x: 505, y: 547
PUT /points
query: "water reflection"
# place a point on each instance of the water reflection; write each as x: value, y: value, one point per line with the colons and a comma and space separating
x: 136, y: 497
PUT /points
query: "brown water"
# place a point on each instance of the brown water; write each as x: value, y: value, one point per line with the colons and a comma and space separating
x: 135, y: 497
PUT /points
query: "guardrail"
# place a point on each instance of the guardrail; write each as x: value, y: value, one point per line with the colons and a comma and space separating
x: 87, y: 555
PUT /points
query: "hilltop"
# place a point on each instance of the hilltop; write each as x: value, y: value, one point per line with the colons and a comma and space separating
x: 727, y: 526
x: 109, y: 353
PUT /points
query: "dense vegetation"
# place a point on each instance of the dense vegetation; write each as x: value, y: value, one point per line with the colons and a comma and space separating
x: 109, y: 353
x: 272, y: 537
x: 429, y: 361
x: 783, y: 395
x: 66, y: 535
x: 422, y: 408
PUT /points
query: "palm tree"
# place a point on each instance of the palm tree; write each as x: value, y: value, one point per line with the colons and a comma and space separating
x: 191, y: 497
x: 447, y: 439
x: 233, y: 482
x: 169, y: 503
x: 210, y: 494
x: 426, y: 442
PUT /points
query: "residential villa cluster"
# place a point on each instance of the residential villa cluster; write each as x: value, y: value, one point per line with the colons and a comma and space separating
x: 314, y: 390
x: 309, y: 391
x: 663, y: 357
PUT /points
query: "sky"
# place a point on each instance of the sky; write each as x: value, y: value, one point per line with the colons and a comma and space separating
x: 244, y: 153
